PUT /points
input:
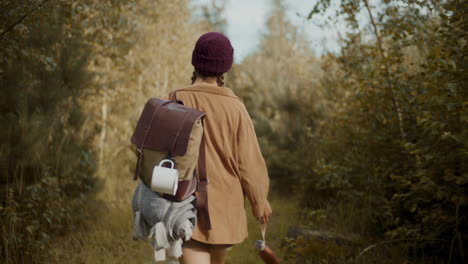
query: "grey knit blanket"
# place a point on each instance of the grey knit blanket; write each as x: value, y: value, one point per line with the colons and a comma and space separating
x: 163, y: 223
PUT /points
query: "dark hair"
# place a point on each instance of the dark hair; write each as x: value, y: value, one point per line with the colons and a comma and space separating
x: 219, y: 78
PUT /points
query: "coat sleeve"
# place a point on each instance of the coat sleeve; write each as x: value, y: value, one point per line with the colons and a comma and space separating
x: 252, y: 168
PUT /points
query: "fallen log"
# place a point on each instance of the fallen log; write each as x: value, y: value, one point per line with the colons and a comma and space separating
x: 309, y: 245
x: 314, y: 234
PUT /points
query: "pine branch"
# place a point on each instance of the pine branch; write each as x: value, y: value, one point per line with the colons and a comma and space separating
x: 22, y: 18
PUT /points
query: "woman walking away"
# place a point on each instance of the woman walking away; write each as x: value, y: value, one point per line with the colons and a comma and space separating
x: 234, y: 163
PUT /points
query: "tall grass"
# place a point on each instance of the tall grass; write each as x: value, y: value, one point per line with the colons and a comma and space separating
x: 105, y: 236
x: 286, y: 213
x: 42, y: 190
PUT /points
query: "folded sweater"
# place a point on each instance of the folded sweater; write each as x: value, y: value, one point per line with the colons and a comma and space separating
x: 163, y: 223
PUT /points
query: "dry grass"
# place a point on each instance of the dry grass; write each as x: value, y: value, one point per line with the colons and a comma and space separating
x: 285, y: 214
x: 105, y: 237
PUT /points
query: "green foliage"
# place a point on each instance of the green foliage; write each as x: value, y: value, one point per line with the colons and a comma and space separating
x: 47, y: 162
x: 401, y: 126
x: 378, y: 135
x: 45, y: 166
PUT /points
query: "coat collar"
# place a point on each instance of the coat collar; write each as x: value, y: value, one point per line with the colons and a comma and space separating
x: 207, y: 88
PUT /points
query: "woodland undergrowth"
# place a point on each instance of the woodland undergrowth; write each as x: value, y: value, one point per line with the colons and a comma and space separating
x: 370, y: 140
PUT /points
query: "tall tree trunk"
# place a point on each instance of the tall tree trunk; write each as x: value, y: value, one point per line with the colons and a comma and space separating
x: 102, y: 139
x: 390, y: 85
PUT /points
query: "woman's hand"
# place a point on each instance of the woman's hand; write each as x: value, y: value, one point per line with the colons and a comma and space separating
x: 266, y: 213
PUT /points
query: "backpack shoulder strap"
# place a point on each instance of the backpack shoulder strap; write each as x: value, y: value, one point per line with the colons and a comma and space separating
x: 202, y: 184
x: 202, y: 187
x: 173, y: 97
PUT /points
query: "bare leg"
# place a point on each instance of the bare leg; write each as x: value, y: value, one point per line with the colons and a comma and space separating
x: 218, y: 253
x: 197, y: 253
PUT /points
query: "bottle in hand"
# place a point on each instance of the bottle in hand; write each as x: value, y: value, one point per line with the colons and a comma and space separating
x: 266, y: 253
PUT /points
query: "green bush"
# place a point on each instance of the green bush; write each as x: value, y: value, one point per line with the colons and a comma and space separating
x: 396, y: 144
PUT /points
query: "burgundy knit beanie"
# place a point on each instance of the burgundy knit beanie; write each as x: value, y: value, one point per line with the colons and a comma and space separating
x: 213, y: 54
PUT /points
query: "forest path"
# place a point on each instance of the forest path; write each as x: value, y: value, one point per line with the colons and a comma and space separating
x: 105, y: 237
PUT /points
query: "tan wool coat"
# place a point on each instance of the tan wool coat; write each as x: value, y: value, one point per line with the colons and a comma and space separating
x: 234, y: 164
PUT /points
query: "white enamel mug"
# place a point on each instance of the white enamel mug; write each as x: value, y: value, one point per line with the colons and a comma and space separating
x: 164, y: 179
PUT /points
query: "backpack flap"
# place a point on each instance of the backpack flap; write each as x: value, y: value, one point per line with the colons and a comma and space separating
x: 165, y: 126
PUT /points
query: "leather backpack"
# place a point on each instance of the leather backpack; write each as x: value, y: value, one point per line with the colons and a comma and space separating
x: 167, y: 129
